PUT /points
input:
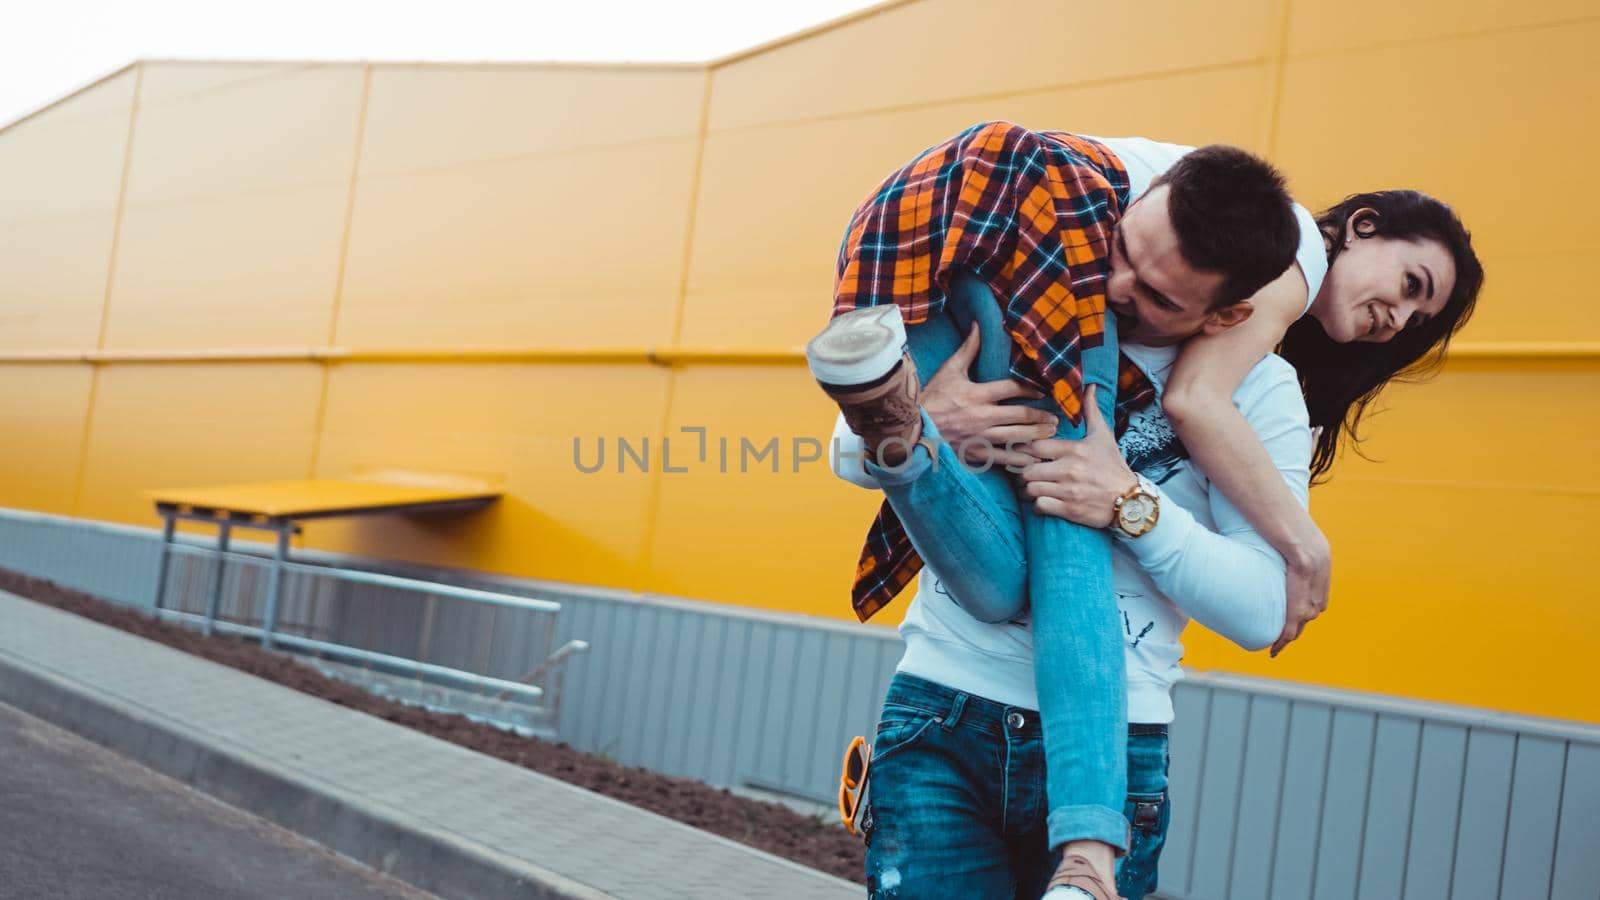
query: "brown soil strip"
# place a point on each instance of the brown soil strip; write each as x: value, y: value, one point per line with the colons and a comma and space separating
x: 766, y: 826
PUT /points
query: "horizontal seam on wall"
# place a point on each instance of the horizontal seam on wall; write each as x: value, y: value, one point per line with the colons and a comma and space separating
x: 663, y: 356
x: 866, y: 113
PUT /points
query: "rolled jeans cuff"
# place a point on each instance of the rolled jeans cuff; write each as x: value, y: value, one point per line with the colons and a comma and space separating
x: 917, y: 463
x: 1089, y: 823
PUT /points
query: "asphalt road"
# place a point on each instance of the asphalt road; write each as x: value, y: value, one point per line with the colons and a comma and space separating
x: 78, y: 822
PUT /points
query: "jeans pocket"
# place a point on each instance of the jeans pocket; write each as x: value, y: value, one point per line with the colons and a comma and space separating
x: 900, y: 728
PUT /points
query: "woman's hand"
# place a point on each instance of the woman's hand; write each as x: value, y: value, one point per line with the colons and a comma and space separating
x: 972, y: 420
x: 1310, y: 576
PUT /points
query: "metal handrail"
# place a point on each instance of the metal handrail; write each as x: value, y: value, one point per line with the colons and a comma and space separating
x: 461, y: 676
x: 551, y: 661
x: 493, y: 598
x: 501, y: 688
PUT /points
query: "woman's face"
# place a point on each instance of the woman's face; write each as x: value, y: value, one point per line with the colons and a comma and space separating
x: 1377, y: 286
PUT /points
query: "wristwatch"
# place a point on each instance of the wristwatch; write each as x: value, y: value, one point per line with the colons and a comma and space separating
x: 1137, y: 510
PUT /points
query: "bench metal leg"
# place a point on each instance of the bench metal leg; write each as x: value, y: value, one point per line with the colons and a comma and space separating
x: 168, y: 522
x: 214, y: 594
x: 275, y: 583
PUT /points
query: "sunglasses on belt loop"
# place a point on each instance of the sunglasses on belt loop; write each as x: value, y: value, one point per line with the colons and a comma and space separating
x: 853, y: 781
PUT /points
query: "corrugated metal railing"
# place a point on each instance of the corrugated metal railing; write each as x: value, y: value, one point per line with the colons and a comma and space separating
x: 1293, y: 792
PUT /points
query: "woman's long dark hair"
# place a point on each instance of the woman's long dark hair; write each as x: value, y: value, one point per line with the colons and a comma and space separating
x: 1341, y: 380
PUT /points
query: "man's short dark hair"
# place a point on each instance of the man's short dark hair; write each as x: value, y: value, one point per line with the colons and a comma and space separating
x: 1233, y: 215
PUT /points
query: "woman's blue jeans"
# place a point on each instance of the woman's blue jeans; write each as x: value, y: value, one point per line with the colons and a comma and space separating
x: 1000, y: 559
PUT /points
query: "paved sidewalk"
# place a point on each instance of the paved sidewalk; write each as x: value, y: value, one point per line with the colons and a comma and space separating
x: 438, y: 816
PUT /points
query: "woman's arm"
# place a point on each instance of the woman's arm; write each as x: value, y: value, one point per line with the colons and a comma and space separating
x: 1199, y: 402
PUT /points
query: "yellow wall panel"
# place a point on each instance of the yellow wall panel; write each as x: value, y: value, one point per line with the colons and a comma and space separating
x: 1462, y: 551
x: 1500, y: 126
x: 67, y: 159
x: 1536, y: 297
x: 774, y: 202
x: 512, y: 424
x: 158, y: 426
x: 783, y: 540
x: 1321, y: 27
x: 292, y: 128
x: 53, y: 281
x: 41, y: 411
x: 941, y: 50
x: 1512, y: 152
x: 579, y: 249
x: 1500, y: 630
x: 241, y: 271
x: 429, y: 116
x: 1481, y: 423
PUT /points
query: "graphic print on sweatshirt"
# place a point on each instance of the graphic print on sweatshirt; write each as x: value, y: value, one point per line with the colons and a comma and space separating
x: 1150, y: 445
x: 1133, y: 637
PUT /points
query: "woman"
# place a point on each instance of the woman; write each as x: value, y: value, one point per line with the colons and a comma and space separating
x: 1406, y: 278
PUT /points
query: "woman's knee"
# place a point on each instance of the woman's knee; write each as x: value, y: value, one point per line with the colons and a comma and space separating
x: 987, y: 599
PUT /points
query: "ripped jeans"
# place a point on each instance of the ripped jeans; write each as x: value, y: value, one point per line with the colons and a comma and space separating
x: 955, y: 802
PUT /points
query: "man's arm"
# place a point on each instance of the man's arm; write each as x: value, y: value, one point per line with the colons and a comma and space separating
x: 1229, y: 580
x: 1232, y: 580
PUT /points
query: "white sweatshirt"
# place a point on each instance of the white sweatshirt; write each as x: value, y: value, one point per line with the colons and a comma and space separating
x: 1202, y: 560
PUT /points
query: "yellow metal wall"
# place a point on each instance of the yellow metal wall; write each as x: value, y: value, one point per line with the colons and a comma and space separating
x: 517, y: 256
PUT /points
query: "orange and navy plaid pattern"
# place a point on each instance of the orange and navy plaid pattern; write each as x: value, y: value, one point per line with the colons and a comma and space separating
x: 1134, y: 392
x: 1030, y: 212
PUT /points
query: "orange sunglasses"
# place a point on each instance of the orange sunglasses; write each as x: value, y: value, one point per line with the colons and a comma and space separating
x: 853, y: 781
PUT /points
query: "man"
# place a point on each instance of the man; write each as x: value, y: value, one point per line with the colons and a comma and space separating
x: 1033, y: 213
x: 981, y: 767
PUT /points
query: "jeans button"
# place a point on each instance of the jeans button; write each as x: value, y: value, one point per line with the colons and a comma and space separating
x: 1016, y: 720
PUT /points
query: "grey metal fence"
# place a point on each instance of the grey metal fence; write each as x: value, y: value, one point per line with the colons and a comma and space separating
x: 1293, y: 792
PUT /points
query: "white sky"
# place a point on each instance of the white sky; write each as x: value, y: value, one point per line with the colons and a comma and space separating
x: 49, y: 48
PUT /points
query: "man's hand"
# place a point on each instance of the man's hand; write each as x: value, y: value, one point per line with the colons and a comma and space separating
x: 1309, y: 579
x: 1079, y: 480
x: 973, y: 421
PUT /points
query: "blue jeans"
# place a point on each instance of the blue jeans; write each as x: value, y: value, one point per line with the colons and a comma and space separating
x: 955, y: 799
x: 998, y: 557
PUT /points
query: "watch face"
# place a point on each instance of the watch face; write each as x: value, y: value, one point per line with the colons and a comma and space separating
x: 1136, y: 509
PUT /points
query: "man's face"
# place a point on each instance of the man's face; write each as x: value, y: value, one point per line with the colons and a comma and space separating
x: 1158, y: 298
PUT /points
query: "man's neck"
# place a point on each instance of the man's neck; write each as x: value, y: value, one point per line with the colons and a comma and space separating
x: 1153, y: 361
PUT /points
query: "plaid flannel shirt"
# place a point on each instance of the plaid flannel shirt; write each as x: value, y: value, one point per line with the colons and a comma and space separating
x: 1031, y: 213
